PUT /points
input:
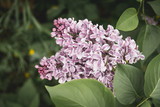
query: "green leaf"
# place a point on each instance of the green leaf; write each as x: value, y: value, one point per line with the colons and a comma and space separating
x: 128, y: 20
x: 35, y: 101
x: 81, y: 93
x: 36, y: 23
x: 158, y: 49
x: 17, y: 15
x: 12, y: 104
x: 148, y: 39
x: 28, y: 95
x: 140, y: 38
x: 156, y: 6
x: 24, y: 15
x: 118, y: 104
x: 156, y: 102
x: 128, y: 83
x: 152, y: 79
x: 139, y: 0
x: 146, y: 104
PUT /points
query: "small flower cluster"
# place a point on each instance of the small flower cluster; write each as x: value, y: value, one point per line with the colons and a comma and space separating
x: 88, y: 51
x: 149, y: 20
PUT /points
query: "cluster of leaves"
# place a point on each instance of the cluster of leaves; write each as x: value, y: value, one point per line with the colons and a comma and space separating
x: 134, y: 85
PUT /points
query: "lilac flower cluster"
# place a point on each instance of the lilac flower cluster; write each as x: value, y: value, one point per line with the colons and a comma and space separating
x: 149, y: 20
x: 88, y: 51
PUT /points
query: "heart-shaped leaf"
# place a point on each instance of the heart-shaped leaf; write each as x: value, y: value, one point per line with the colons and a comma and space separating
x: 152, y: 80
x: 118, y: 104
x: 128, y: 20
x: 146, y: 104
x: 148, y: 39
x: 28, y: 95
x: 156, y: 6
x: 128, y: 83
x: 81, y: 93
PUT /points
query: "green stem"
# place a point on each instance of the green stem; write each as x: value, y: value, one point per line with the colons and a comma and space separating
x: 107, y: 61
x: 143, y: 7
x: 143, y: 11
x: 139, y: 7
x: 142, y: 102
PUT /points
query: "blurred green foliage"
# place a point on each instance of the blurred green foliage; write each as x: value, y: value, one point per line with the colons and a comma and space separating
x: 25, y: 27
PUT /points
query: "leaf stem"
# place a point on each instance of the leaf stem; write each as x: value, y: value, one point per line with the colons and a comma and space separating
x: 143, y: 7
x: 142, y: 102
x: 139, y: 7
x: 143, y: 11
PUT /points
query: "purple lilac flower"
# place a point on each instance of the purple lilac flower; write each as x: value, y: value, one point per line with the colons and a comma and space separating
x: 149, y: 20
x: 88, y: 51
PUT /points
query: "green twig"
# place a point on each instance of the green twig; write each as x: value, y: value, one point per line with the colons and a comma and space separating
x: 143, y: 11
x: 139, y: 7
x: 142, y: 102
x: 143, y: 7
